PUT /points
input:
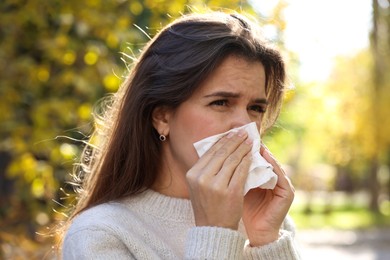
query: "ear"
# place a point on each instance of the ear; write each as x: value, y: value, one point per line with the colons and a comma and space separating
x: 160, y: 119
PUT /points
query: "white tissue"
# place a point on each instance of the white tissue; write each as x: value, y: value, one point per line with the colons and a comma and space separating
x: 260, y: 172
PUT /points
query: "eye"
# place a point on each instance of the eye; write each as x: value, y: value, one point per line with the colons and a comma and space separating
x: 258, y: 109
x: 220, y: 102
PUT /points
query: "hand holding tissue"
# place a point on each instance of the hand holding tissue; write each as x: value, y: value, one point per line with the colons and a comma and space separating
x: 260, y: 172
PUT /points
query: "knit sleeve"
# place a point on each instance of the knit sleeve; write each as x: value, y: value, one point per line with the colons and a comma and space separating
x: 284, y: 248
x: 222, y: 243
x: 93, y: 244
x: 214, y: 243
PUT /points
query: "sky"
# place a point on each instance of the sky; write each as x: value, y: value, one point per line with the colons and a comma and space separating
x: 320, y: 30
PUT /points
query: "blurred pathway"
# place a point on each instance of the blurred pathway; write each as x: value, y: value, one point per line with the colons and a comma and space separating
x: 334, y: 244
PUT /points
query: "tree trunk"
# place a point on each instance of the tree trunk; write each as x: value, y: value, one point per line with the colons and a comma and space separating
x: 373, y: 184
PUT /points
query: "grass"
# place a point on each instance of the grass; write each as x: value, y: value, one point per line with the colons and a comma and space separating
x: 338, y: 211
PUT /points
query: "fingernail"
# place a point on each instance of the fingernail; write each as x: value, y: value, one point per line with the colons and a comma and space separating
x: 230, y: 135
x: 249, y: 141
x: 264, y: 146
x: 267, y: 150
x: 241, y: 133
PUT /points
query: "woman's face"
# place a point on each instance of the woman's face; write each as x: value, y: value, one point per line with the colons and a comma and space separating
x: 232, y: 96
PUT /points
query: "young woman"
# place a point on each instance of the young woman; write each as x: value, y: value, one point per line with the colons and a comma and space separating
x: 146, y: 194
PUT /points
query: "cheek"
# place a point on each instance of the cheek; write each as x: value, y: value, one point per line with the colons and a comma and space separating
x: 197, y: 126
x: 188, y: 128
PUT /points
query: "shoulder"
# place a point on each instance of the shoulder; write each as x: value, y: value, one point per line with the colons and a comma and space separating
x: 98, y: 221
x: 115, y: 218
x: 101, y: 217
x: 94, y: 232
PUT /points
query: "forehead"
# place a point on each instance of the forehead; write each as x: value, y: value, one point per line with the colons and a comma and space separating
x: 236, y: 74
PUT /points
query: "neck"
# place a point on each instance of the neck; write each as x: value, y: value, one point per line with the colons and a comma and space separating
x: 171, y: 181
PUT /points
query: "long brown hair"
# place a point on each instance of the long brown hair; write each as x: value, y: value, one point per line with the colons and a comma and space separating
x: 171, y: 66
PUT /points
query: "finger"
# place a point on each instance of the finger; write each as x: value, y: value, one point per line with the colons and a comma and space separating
x: 283, y: 179
x: 213, y: 159
x: 240, y: 175
x: 235, y: 162
x: 271, y: 159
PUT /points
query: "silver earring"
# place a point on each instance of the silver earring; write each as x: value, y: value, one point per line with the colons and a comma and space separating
x: 162, y: 138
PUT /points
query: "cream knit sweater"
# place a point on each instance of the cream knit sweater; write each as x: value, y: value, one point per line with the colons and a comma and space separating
x: 153, y: 226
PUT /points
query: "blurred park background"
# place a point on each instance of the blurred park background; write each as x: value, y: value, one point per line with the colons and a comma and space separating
x: 58, y: 58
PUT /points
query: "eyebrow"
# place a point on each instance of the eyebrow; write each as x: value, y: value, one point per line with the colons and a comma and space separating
x: 226, y: 94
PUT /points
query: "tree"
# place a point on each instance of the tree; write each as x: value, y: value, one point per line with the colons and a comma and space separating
x: 380, y: 46
x: 57, y: 59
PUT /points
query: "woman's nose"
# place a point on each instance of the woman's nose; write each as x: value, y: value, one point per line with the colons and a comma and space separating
x: 240, y: 118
